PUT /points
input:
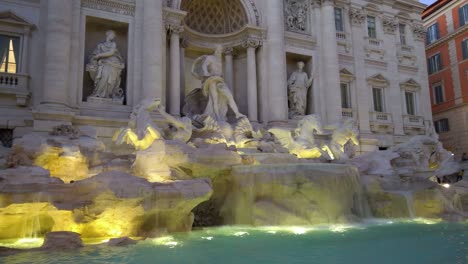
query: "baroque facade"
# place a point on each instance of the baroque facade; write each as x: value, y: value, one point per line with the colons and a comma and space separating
x: 447, y: 57
x: 365, y: 59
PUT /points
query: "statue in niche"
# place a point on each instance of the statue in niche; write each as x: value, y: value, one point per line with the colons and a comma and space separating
x: 209, y: 69
x: 296, y: 15
x: 298, y: 85
x: 105, y: 67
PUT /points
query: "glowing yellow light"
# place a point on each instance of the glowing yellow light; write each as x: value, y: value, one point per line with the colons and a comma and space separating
x: 271, y: 232
x: 446, y: 185
x: 427, y: 221
x: 338, y: 228
x: 168, y: 241
x: 299, y: 230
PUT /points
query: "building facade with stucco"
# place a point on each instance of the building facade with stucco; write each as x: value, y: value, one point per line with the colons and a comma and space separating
x: 446, y: 23
x: 366, y: 59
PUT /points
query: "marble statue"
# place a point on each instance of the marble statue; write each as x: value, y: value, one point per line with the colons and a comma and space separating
x: 208, y: 69
x: 141, y: 131
x: 180, y: 128
x: 302, y: 142
x: 342, y: 134
x: 105, y: 67
x: 298, y: 85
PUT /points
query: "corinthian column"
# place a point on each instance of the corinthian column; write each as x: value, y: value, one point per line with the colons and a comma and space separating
x: 330, y: 63
x: 277, y: 85
x: 229, y: 70
x: 251, y: 45
x: 57, y: 53
x: 174, y: 88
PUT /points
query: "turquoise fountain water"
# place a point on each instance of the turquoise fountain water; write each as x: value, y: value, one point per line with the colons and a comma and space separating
x: 384, y: 243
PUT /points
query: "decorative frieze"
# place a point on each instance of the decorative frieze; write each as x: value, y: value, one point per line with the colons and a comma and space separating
x: 389, y: 25
x: 122, y: 7
x: 357, y: 16
x: 296, y: 15
x: 419, y: 32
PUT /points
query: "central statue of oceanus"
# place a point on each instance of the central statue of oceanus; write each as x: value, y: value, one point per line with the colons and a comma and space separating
x: 214, y: 98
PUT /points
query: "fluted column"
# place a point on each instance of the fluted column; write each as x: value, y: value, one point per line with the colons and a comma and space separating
x: 57, y: 53
x: 152, y: 43
x: 251, y: 45
x: 229, y: 67
x: 174, y: 88
x: 275, y: 44
x: 330, y: 63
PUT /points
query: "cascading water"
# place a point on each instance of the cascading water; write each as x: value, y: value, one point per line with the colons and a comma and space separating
x: 294, y: 194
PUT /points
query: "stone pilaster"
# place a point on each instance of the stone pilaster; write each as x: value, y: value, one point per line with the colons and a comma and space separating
x: 275, y: 45
x: 152, y: 43
x: 330, y: 64
x: 58, y: 29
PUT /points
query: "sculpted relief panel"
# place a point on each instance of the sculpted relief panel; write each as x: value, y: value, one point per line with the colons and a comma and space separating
x: 296, y: 15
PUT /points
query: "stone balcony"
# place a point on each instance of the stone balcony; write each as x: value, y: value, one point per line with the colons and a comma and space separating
x: 381, y: 122
x: 414, y: 125
x: 15, y: 84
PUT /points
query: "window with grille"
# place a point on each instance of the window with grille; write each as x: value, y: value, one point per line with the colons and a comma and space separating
x: 9, y: 53
x: 434, y: 63
x: 442, y: 125
x: 377, y: 94
x: 402, y: 30
x: 345, y: 96
x: 371, y: 27
x: 438, y: 94
x: 339, y: 26
x: 410, y: 99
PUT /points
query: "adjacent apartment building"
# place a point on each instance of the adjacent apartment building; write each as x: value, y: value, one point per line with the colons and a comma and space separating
x: 446, y: 22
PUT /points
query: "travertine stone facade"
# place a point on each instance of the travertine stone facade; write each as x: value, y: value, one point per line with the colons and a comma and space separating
x: 262, y: 39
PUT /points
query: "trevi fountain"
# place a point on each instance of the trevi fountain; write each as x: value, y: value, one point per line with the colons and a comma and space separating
x: 212, y: 186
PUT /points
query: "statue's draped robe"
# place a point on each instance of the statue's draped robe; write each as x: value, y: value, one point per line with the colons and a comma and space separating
x: 108, y: 70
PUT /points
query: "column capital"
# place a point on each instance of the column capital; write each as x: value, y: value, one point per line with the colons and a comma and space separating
x: 419, y: 32
x: 229, y: 51
x: 389, y: 24
x: 357, y: 16
x: 174, y: 29
x: 252, y: 43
